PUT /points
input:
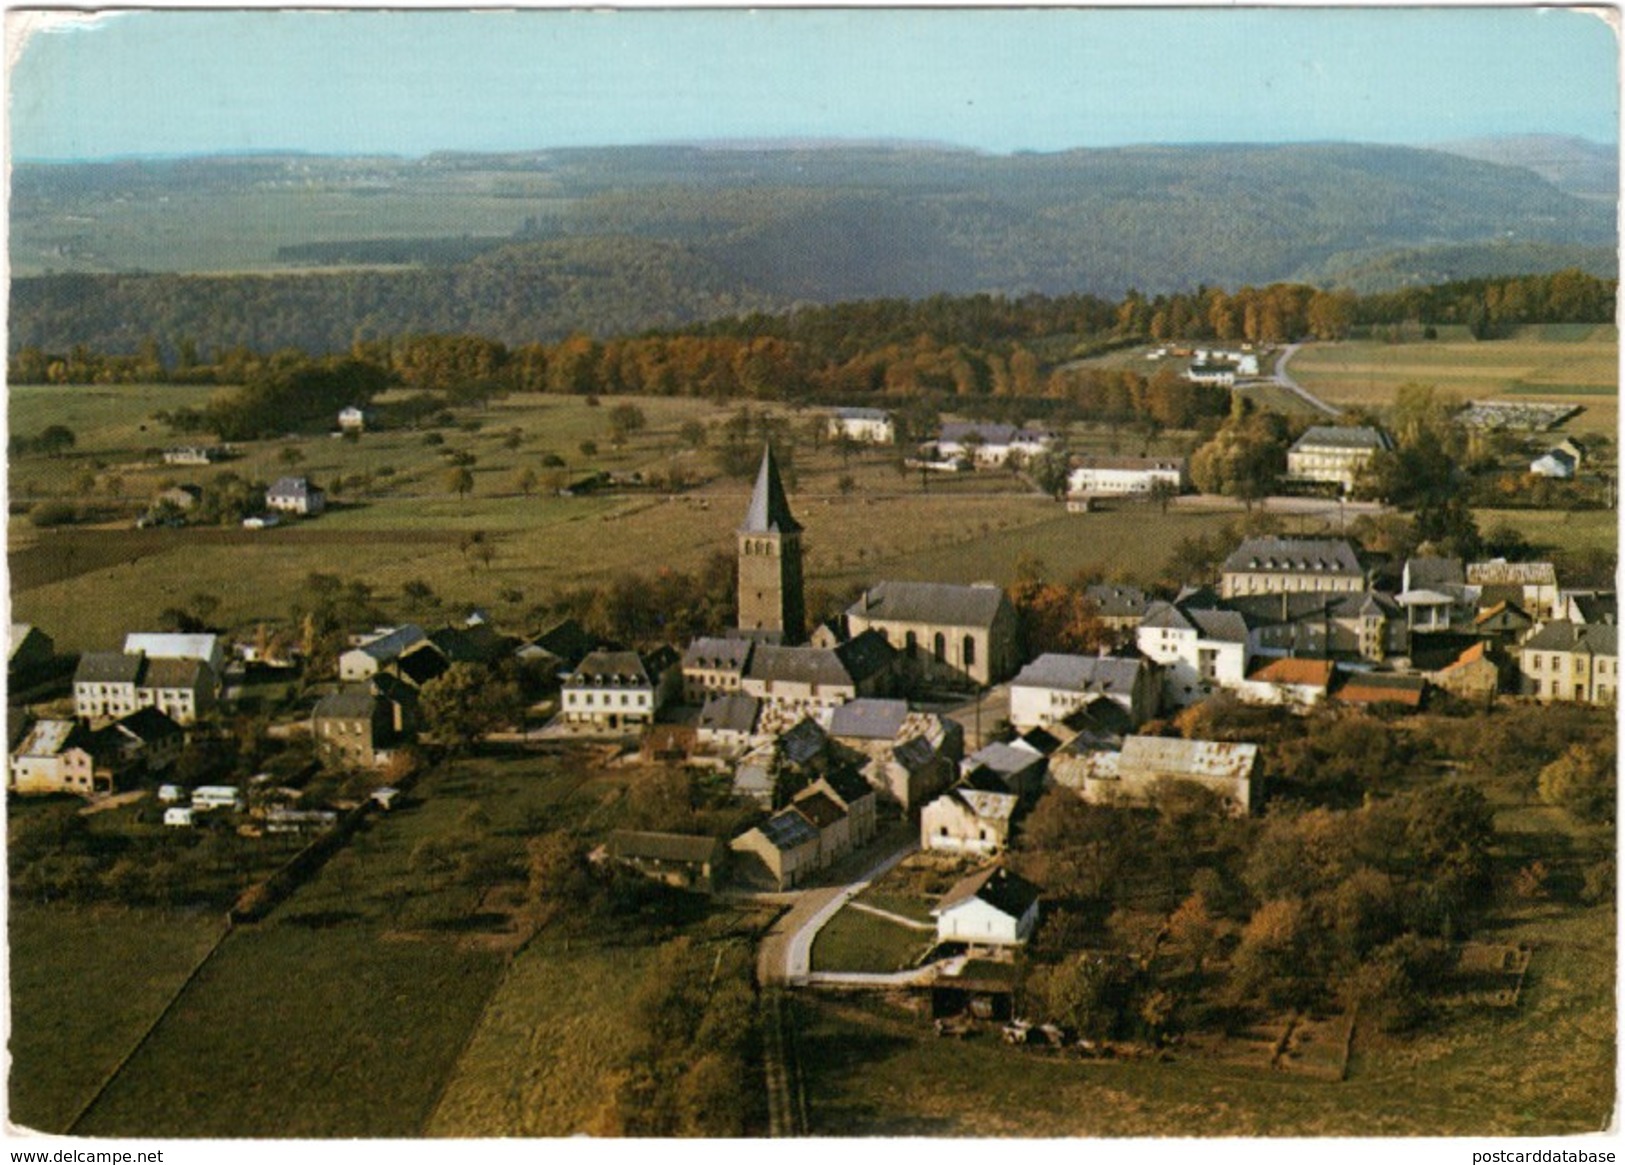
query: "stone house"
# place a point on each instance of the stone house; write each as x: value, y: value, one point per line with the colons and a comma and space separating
x: 688, y: 861
x: 785, y: 846
x: 714, y: 666
x: 1133, y: 775
x: 966, y: 820
x: 356, y: 728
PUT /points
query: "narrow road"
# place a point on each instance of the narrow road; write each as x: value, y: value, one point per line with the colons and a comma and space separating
x: 1284, y: 379
x: 785, y: 955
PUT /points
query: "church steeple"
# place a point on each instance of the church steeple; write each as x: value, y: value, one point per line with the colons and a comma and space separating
x: 770, y: 592
x: 769, y: 511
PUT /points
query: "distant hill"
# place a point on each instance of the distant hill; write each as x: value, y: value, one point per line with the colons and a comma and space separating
x: 1574, y: 165
x: 536, y: 245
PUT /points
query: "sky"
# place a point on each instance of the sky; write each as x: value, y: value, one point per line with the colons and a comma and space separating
x: 1000, y: 80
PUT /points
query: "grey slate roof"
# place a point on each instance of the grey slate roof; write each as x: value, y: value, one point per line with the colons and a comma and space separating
x: 869, y: 719
x: 176, y: 673
x: 1561, y: 635
x: 354, y: 702
x: 788, y: 829
x: 1004, y: 759
x: 1000, y: 888
x: 108, y: 667
x: 945, y: 604
x: 850, y: 663
x: 734, y: 712
x: 1343, y: 437
x: 991, y: 432
x: 1081, y: 673
x: 803, y: 742
x: 1116, y: 602
x: 1431, y: 573
x: 861, y: 414
x: 714, y: 653
x: 1297, y: 555
x: 611, y: 668
x: 847, y: 784
x: 292, y: 487
x: 387, y: 647
x: 664, y: 847
x: 1224, y: 626
x: 769, y: 510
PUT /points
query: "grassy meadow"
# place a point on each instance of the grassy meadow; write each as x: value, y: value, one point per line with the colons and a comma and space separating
x: 85, y: 984
x: 1570, y: 364
x: 864, y: 520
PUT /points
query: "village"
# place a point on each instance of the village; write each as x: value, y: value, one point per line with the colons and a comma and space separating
x: 876, y: 769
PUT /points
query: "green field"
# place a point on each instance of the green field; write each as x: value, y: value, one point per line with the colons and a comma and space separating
x: 88, y: 585
x: 85, y: 984
x: 345, y: 1012
x: 1560, y: 363
x: 855, y: 940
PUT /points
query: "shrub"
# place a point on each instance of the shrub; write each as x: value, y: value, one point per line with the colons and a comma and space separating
x: 54, y: 513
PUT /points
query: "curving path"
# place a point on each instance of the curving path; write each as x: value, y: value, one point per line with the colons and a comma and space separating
x: 785, y: 955
x: 1283, y: 378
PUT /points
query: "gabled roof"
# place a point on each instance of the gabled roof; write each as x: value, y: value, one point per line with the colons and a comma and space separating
x: 1507, y: 609
x: 1309, y: 673
x: 391, y: 643
x: 1595, y: 608
x: 1383, y: 688
x: 292, y: 487
x: 664, y: 847
x: 566, y: 639
x: 1005, y: 759
x: 148, y: 725
x: 869, y: 718
x: 472, y: 643
x: 108, y: 667
x: 616, y: 668
x: 716, y: 653
x: 176, y: 673
x: 1221, y: 626
x: 769, y: 509
x: 991, y: 433
x: 422, y: 663
x: 944, y: 604
x: 798, y: 665
x: 984, y: 804
x: 1561, y: 635
x: 1342, y: 437
x: 915, y: 753
x: 1430, y: 572
x: 172, y: 645
x: 803, y: 742
x: 1005, y: 891
x: 819, y: 808
x: 859, y: 414
x: 52, y: 737
x: 1328, y: 556
x: 1116, y: 602
x: 787, y: 829
x: 1105, y: 674
x: 352, y: 702
x: 1040, y: 741
x: 734, y: 712
x: 847, y: 785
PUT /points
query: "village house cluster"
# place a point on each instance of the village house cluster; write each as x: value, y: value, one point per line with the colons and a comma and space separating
x: 831, y: 730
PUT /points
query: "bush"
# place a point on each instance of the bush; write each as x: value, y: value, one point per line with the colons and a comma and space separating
x: 55, y: 513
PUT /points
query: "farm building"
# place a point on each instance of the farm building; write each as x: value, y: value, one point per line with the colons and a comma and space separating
x: 995, y: 907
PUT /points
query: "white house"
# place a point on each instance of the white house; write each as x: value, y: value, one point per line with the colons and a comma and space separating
x: 620, y: 689
x: 374, y: 651
x: 295, y: 495
x: 178, y: 816
x: 1199, y: 650
x: 988, y: 444
x: 993, y: 908
x: 1120, y: 476
x: 352, y: 419
x: 1053, y: 686
x: 871, y: 426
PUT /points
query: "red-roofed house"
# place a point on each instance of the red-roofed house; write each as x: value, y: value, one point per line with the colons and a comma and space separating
x: 1292, y: 683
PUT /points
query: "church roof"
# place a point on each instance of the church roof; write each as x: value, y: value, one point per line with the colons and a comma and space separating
x: 769, y: 511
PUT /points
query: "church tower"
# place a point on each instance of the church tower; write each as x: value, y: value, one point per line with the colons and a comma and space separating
x: 770, y: 596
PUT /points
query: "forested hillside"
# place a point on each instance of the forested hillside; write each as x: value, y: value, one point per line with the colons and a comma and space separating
x: 533, y: 247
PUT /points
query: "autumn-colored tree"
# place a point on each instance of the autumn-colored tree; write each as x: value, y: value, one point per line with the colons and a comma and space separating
x: 1054, y: 617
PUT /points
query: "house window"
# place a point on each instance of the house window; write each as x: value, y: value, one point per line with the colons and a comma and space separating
x: 970, y: 651
x: 910, y: 644
x: 939, y: 647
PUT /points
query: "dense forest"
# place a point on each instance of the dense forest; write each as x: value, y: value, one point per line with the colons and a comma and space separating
x: 969, y: 347
x: 525, y: 248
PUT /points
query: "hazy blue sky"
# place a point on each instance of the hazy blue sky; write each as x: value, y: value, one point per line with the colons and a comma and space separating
x: 412, y: 82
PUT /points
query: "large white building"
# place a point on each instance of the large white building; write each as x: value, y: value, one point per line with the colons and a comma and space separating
x: 993, y: 908
x: 615, y: 690
x: 989, y: 444
x: 1334, y: 454
x: 871, y: 426
x: 1199, y: 650
x: 1119, y: 476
